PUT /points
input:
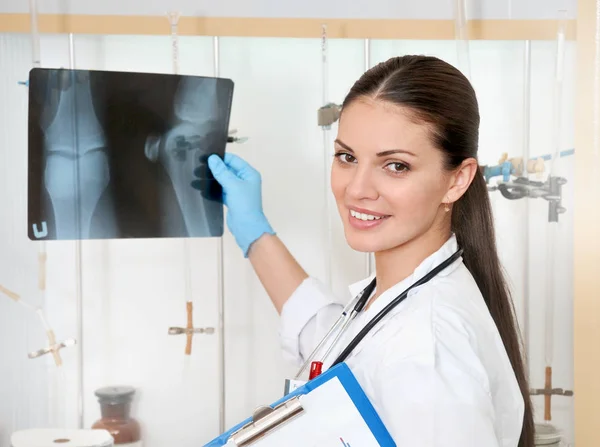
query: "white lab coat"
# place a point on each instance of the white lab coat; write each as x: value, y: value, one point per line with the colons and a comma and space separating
x: 435, y: 368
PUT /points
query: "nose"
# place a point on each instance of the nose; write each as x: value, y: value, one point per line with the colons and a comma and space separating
x: 361, y: 185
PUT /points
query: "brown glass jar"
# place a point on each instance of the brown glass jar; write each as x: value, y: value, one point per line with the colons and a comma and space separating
x: 115, y: 408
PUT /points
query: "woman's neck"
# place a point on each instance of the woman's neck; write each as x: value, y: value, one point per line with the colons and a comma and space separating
x: 397, y: 264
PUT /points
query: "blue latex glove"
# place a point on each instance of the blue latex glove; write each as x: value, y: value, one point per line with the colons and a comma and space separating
x: 242, y: 195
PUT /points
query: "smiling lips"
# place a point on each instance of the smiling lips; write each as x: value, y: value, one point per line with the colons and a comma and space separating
x: 364, y: 219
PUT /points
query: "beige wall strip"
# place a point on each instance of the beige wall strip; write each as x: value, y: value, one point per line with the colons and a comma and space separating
x: 284, y: 27
x: 587, y: 227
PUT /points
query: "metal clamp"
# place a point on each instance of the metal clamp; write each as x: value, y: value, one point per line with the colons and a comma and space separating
x: 232, y: 139
x: 54, y: 348
x: 265, y: 420
x: 191, y: 331
x: 550, y: 392
x: 550, y: 190
x: 328, y: 114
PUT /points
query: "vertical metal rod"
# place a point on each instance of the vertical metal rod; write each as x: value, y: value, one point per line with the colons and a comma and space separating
x: 461, y: 23
x: 220, y: 286
x: 35, y: 38
x: 367, y: 66
x: 78, y: 259
x: 173, y: 17
x: 526, y: 142
x: 327, y: 156
x: 553, y: 226
x: 558, y: 88
x: 36, y: 63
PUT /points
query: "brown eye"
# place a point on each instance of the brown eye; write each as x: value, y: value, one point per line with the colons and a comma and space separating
x: 344, y: 157
x: 397, y: 168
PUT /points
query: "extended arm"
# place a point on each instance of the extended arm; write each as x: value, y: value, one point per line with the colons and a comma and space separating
x: 306, y: 306
x: 278, y: 271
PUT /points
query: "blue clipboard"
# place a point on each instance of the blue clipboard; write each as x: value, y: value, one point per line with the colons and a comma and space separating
x: 351, y: 387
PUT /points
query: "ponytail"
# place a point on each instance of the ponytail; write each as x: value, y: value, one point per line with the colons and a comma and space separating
x: 473, y: 224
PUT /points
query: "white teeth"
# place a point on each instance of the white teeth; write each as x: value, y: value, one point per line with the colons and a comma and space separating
x: 363, y: 216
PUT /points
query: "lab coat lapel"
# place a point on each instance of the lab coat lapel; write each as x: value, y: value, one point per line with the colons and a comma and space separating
x: 389, y: 295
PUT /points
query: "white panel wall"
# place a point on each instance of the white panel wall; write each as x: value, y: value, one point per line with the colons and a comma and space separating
x: 134, y: 290
x: 373, y: 9
x: 24, y: 382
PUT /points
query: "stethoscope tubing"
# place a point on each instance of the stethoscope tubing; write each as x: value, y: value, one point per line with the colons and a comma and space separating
x: 387, y: 309
x: 359, y: 303
x: 325, y: 338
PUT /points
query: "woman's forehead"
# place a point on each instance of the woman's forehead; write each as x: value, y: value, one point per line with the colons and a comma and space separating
x: 376, y: 126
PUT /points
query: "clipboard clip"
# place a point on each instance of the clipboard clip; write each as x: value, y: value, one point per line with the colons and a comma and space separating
x: 265, y: 420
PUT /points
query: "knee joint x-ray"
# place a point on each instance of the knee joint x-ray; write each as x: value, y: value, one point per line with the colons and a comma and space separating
x: 113, y: 154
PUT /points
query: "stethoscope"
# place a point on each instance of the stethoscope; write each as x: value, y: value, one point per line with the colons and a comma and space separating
x: 357, y: 305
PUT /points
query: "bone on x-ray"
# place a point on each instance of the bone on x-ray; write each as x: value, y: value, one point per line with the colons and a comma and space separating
x: 112, y: 154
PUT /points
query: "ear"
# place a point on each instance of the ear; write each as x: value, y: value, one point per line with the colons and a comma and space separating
x: 461, y: 179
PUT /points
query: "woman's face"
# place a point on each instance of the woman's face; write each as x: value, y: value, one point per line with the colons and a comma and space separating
x: 387, y: 178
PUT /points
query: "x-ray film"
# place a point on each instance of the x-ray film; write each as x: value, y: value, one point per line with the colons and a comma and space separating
x: 112, y: 154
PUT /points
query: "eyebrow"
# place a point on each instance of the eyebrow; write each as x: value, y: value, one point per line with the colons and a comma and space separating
x: 379, y: 154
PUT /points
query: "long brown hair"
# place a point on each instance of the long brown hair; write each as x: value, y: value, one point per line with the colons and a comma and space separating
x: 439, y: 94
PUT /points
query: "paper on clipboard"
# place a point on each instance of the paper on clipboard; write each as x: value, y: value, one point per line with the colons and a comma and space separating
x: 329, y: 419
x: 332, y: 410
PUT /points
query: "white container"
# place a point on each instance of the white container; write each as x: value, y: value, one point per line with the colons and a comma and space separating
x: 61, y: 438
x: 547, y: 435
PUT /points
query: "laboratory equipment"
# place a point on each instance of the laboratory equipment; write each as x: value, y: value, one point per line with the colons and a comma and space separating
x: 525, y: 230
x: 233, y: 139
x: 52, y: 437
x: 461, y: 36
x: 549, y: 190
x: 115, y: 408
x: 547, y: 435
x: 553, y: 189
x: 328, y: 114
x: 182, y: 156
x: 370, y: 257
x: 54, y: 347
x: 327, y: 157
x: 221, y: 277
x: 189, y: 330
x: 36, y: 63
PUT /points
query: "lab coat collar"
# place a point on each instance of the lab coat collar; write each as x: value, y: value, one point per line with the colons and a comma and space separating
x: 431, y: 262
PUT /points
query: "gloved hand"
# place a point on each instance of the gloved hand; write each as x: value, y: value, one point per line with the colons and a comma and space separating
x: 242, y: 195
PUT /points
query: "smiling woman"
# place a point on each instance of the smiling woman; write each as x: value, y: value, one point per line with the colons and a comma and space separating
x: 444, y: 367
x: 408, y: 187
x: 389, y: 164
